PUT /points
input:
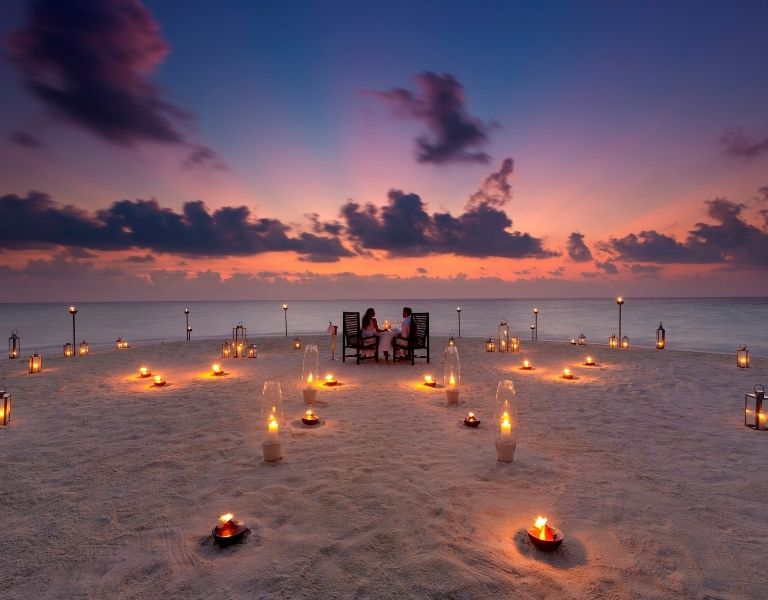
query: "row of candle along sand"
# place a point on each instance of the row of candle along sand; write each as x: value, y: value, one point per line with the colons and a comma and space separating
x: 279, y: 362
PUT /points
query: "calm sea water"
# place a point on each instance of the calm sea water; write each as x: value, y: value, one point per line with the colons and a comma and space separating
x: 708, y: 324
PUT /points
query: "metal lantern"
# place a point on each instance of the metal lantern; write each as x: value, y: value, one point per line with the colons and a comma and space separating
x: 83, y: 351
x: 5, y: 407
x: 451, y: 374
x: 582, y: 339
x: 742, y: 357
x: 252, y: 353
x: 121, y: 344
x: 755, y: 412
x: 514, y: 344
x: 503, y: 337
x: 14, y: 345
x: 68, y: 351
x: 661, y: 340
x: 452, y: 341
x: 533, y: 332
x: 625, y: 343
x: 272, y: 420
x: 613, y: 341
x: 239, y: 340
x: 310, y: 373
x: 505, y: 421
x: 490, y: 345
x: 35, y: 363
x: 297, y: 343
x: 226, y: 349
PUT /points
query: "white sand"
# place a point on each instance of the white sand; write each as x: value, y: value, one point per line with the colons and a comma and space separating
x: 109, y: 489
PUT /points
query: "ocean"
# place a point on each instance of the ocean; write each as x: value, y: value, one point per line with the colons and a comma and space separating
x: 704, y: 324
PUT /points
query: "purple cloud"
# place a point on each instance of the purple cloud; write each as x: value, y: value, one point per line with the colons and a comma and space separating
x: 24, y: 139
x: 577, y: 250
x: 740, y: 145
x: 454, y: 134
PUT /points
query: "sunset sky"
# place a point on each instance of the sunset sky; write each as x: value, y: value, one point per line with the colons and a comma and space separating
x: 250, y: 149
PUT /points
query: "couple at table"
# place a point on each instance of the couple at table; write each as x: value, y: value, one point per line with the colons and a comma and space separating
x: 371, y: 327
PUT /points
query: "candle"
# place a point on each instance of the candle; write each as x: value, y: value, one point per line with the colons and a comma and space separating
x: 309, y: 418
x: 310, y: 380
x: 159, y: 381
x: 330, y: 380
x: 227, y: 530
x: 273, y: 428
x: 506, y: 428
x: 590, y: 362
x: 526, y: 365
x: 429, y: 381
x: 543, y: 536
x: 452, y: 381
x: 144, y: 372
x: 471, y: 420
x: 567, y: 374
x: 217, y: 370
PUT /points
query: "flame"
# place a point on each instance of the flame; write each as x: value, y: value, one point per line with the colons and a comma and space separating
x: 309, y: 414
x: 452, y: 380
x: 329, y: 377
x: 225, y: 518
x: 471, y: 415
x: 310, y: 378
x: 216, y: 368
x: 428, y: 378
x: 526, y: 363
x: 540, y: 522
x: 273, y: 426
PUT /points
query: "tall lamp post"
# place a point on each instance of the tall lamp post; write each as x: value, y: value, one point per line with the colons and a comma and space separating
x: 73, y: 312
x: 536, y: 323
x: 285, y: 315
x: 189, y: 329
x: 619, y: 301
x: 458, y: 314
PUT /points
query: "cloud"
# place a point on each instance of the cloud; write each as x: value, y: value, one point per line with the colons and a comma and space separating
x: 202, y: 156
x: 740, y: 145
x: 644, y: 270
x: 147, y: 258
x: 403, y: 227
x: 454, y: 135
x: 607, y: 267
x: 24, y: 139
x: 496, y: 190
x: 89, y: 62
x: 731, y: 240
x: 37, y: 221
x: 421, y: 270
x: 578, y: 251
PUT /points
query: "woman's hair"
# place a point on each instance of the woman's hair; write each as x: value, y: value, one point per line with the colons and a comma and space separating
x: 367, y: 317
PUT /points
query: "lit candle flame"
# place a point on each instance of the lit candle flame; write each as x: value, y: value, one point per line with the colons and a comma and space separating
x: 526, y: 363
x: 329, y: 377
x: 216, y: 369
x: 452, y: 381
x: 310, y: 379
x: 428, y: 378
x: 471, y: 415
x: 309, y: 414
x: 273, y: 426
x: 226, y: 518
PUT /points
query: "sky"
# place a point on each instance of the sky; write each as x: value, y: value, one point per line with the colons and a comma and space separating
x: 419, y: 149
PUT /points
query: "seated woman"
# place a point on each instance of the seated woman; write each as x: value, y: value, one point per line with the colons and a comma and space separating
x: 370, y: 327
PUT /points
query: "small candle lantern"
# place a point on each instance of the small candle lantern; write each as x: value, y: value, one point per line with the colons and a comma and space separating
x: 613, y: 341
x: 755, y: 412
x: 582, y: 340
x: 83, y: 350
x: 661, y: 339
x: 35, y: 363
x: 144, y: 372
x: 451, y: 374
x: 310, y: 418
x: 217, y: 370
x: 252, y: 352
x: 239, y: 340
x: 490, y: 345
x: 429, y: 381
x: 625, y: 343
x: 503, y: 337
x: 14, y: 344
x: 68, y: 350
x: 272, y: 420
x: 226, y: 349
x: 297, y: 343
x: 526, y: 366
x: 471, y: 420
x: 590, y: 361
x: 514, y: 344
x: 330, y: 379
x: 452, y: 342
x: 573, y: 341
x: 228, y: 531
x: 567, y: 373
x: 505, y: 421
x: 543, y: 536
x: 158, y: 381
x: 310, y: 374
x: 5, y: 407
x: 119, y: 343
x: 742, y: 357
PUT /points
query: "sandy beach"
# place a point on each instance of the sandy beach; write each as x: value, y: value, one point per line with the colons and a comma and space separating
x: 110, y: 487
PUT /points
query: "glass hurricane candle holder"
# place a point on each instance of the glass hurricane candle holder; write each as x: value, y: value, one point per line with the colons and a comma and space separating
x: 5, y: 407
x: 451, y: 374
x: 272, y: 420
x: 505, y: 421
x: 310, y: 374
x: 755, y: 413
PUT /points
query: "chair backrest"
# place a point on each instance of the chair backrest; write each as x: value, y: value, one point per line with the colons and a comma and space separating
x: 419, y: 333
x: 351, y: 326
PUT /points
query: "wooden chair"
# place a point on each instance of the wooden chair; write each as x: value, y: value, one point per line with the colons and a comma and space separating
x: 353, y: 338
x: 418, y: 339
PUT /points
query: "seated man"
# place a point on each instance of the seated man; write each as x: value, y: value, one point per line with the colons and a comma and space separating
x: 405, y: 328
